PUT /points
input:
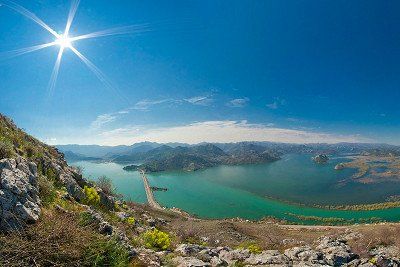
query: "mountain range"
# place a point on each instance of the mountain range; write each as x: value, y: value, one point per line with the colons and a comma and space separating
x: 154, y: 157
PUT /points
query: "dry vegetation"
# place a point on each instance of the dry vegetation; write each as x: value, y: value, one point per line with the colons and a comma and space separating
x: 56, y: 239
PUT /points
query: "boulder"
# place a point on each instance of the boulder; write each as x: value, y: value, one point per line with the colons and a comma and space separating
x: 19, y: 200
x: 269, y: 258
x: 189, y: 249
x: 231, y: 256
x: 189, y: 262
x: 304, y: 254
x: 336, y: 252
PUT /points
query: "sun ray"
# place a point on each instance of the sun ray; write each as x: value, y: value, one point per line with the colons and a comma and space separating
x: 138, y: 28
x: 99, y: 74
x: 71, y: 15
x: 25, y: 12
x: 54, y: 74
x: 26, y: 50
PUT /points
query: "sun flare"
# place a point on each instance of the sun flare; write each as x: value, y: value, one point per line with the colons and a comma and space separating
x: 64, y: 41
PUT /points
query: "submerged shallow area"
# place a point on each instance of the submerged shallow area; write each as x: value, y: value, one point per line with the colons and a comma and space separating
x: 249, y: 191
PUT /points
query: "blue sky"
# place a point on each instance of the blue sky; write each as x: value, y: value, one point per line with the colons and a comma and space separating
x: 292, y: 71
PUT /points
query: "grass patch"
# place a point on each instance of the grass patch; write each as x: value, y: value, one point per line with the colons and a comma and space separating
x: 47, y: 190
x: 106, y: 253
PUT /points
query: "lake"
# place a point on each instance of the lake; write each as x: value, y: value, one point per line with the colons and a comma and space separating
x: 252, y: 191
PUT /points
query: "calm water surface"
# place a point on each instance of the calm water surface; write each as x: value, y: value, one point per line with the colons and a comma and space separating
x: 242, y: 191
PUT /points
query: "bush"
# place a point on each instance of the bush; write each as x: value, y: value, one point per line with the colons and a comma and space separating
x: 6, y: 150
x: 106, y: 253
x: 157, y: 240
x: 92, y: 197
x: 47, y: 191
x: 130, y: 220
x: 252, y: 247
x: 105, y: 184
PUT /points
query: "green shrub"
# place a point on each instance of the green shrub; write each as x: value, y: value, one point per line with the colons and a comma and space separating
x: 47, y: 191
x: 6, y: 150
x: 156, y: 239
x: 106, y: 253
x: 92, y: 197
x: 130, y: 220
x: 252, y: 247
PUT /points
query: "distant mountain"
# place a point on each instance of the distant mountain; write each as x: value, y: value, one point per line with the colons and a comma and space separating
x: 198, y: 157
x: 156, y: 156
x: 106, y: 152
x: 111, y: 152
x: 71, y: 157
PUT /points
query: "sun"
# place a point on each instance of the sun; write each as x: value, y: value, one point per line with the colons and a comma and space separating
x: 64, y: 41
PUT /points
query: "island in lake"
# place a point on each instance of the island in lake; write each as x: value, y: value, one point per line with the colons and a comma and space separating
x: 166, y: 158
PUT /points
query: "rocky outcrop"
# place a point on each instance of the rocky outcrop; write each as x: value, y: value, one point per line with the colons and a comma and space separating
x: 19, y: 200
x: 336, y: 252
x: 328, y: 251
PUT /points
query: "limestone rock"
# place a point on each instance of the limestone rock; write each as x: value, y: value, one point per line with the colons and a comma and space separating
x: 19, y: 200
x: 336, y: 252
x: 189, y: 262
x: 304, y: 254
x: 267, y: 257
x: 231, y: 256
x: 189, y: 249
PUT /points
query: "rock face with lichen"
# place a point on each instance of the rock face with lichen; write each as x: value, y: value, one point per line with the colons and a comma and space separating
x: 19, y: 200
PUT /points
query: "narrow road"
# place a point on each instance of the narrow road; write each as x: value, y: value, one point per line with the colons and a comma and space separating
x: 149, y: 193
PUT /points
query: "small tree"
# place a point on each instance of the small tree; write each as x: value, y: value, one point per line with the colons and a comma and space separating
x: 106, y: 186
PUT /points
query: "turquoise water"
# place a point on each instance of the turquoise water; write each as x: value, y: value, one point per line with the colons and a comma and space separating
x: 242, y: 191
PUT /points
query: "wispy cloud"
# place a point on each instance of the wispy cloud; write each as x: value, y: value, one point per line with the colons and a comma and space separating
x: 220, y: 131
x: 238, y: 102
x: 199, y: 100
x: 145, y: 104
x: 276, y: 104
x: 102, y: 120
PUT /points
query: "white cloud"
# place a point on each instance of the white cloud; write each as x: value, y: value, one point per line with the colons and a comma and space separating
x: 238, y: 102
x: 220, y: 131
x: 199, y: 100
x: 145, y: 104
x: 102, y: 120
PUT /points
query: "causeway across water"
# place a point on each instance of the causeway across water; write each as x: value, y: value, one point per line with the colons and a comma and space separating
x: 149, y: 193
